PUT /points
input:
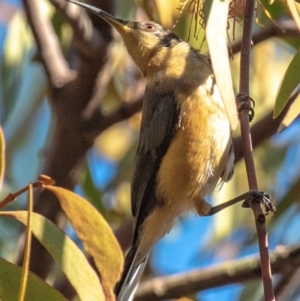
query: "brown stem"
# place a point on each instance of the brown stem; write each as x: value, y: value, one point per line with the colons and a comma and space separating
x: 247, y: 148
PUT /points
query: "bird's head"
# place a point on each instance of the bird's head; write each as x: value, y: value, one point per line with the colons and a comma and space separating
x: 143, y: 40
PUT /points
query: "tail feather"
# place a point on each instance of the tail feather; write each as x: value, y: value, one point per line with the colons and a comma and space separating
x: 127, y: 290
x: 132, y: 274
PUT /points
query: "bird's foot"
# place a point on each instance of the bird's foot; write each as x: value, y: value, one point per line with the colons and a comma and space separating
x: 245, y: 102
x: 261, y: 198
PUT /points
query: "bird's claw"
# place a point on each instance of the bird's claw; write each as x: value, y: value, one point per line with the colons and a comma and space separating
x: 245, y: 102
x: 261, y: 198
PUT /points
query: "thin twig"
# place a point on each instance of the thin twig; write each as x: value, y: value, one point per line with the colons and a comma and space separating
x: 42, y: 180
x: 247, y: 148
x: 55, y: 65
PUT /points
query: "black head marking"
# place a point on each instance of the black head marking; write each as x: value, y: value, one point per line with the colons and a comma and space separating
x: 170, y: 39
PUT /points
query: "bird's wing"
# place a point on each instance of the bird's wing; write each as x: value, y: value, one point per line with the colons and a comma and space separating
x: 160, y: 115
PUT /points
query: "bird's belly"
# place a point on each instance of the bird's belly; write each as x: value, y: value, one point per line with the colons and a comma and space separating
x: 195, y: 159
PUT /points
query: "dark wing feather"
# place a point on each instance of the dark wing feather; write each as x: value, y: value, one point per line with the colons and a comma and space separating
x: 160, y: 115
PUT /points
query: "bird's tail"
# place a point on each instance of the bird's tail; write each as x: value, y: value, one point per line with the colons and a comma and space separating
x: 132, y: 274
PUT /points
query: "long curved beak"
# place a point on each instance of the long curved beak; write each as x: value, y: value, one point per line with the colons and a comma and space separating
x: 118, y: 24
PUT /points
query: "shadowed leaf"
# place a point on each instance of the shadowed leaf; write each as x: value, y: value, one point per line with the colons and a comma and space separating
x: 37, y: 290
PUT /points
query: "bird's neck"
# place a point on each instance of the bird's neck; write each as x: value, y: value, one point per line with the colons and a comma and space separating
x: 177, y: 66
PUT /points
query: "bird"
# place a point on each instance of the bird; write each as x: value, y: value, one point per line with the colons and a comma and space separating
x: 185, y: 146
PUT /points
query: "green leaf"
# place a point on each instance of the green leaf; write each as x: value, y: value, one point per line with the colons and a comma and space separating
x: 37, y: 289
x: 96, y: 236
x: 288, y: 84
x: 65, y: 252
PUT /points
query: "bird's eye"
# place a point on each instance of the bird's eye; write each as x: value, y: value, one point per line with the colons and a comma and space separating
x: 149, y: 27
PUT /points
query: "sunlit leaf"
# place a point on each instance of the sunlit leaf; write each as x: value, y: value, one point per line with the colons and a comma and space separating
x: 216, y: 34
x: 288, y: 84
x: 10, y: 276
x: 96, y: 235
x: 65, y: 252
x: 2, y: 156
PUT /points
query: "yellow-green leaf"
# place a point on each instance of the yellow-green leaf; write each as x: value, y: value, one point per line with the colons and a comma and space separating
x: 288, y: 84
x: 96, y: 235
x: 37, y: 289
x: 2, y: 156
x: 65, y: 252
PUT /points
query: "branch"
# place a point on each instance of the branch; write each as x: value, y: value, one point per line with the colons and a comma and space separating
x: 47, y: 42
x: 283, y: 29
x: 287, y: 284
x: 70, y: 139
x: 87, y: 40
x: 284, y: 259
x: 126, y: 110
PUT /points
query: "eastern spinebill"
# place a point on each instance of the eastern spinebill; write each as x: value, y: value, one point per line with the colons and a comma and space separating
x: 185, y: 147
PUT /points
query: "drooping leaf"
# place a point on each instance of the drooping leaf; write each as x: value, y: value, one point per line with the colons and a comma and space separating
x: 37, y: 289
x: 65, y: 252
x: 2, y: 156
x: 96, y: 235
x: 216, y: 13
x: 290, y: 81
